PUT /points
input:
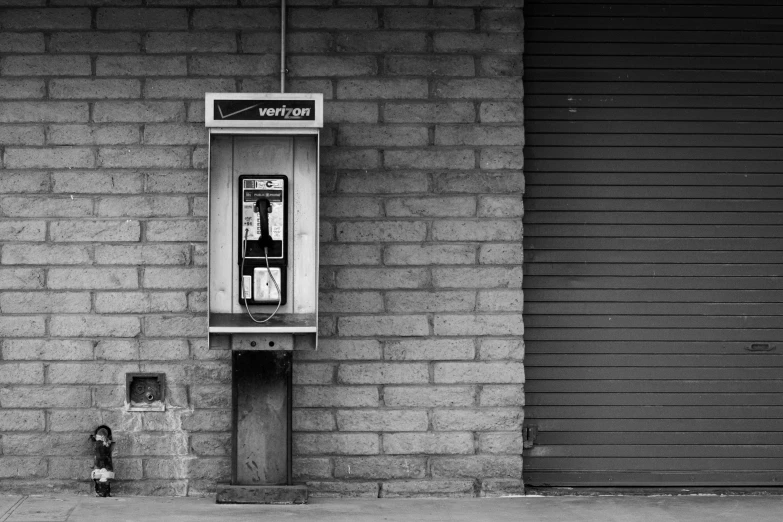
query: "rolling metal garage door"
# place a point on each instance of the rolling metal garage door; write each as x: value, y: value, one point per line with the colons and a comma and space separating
x: 654, y: 242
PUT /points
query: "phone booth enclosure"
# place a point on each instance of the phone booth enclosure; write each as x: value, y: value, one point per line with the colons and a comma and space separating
x: 263, y: 192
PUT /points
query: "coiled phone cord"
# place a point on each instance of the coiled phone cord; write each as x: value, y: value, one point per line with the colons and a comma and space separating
x: 242, y: 275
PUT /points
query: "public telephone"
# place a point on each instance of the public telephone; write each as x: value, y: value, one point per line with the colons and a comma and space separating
x: 263, y: 239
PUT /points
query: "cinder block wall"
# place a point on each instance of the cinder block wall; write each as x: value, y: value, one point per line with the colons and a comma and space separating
x: 417, y: 387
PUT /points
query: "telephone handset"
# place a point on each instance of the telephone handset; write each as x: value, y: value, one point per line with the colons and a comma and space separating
x: 263, y: 239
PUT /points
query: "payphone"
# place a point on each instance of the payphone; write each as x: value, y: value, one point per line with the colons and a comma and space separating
x: 263, y: 273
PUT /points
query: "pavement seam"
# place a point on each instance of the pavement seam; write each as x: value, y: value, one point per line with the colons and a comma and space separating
x: 13, y: 508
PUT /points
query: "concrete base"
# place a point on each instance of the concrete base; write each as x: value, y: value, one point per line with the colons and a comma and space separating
x: 229, y: 494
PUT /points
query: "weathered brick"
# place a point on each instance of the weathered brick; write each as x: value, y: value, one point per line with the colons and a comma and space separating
x: 92, y: 134
x: 479, y: 135
x: 331, y: 489
x: 484, y: 419
x: 11, y: 88
x: 370, y: 231
x: 334, y: 66
x: 430, y: 159
x: 94, y: 326
x: 429, y: 65
x: 429, y: 349
x: 22, y: 230
x: 233, y: 65
x: 342, y: 349
x: 428, y: 443
x: 334, y: 18
x: 350, y: 112
x: 502, y: 112
x: 22, y: 326
x: 44, y: 397
x: 147, y: 157
x: 502, y: 20
x: 43, y: 19
x: 479, y: 372
x: 501, y: 206
x: 501, y: 65
x: 186, y: 88
x: 500, y: 301
x: 59, y: 444
x: 177, y: 230
x: 311, y: 468
x: 381, y: 420
x: 210, y: 443
x: 427, y: 488
x: 501, y: 442
x: 22, y: 42
x: 429, y: 18
x: 336, y: 443
x: 236, y: 19
x: 138, y: 111
x: 497, y: 158
x: 66, y: 88
x: 383, y: 183
x: 384, y: 88
x: 182, y: 134
x: 429, y: 254
x: 145, y: 254
x: 383, y: 373
x: 22, y: 467
x: 95, y: 42
x: 45, y: 65
x: 177, y: 181
x: 44, y: 302
x: 499, y: 349
x: 87, y: 182
x: 478, y: 277
x: 431, y: 207
x: 143, y: 206
x: 44, y: 349
x: 502, y: 396
x: 22, y: 135
x: 140, y: 302
x: 175, y: 326
x: 21, y: 420
x: 126, y: 230
x: 485, y: 42
x: 142, y: 19
x: 501, y: 254
x: 380, y: 467
x: 313, y: 373
x: 69, y: 420
x: 20, y: 112
x: 382, y: 42
x: 383, y: 135
x: 92, y: 278
x: 197, y: 302
x: 477, y: 466
x: 57, y: 157
x: 46, y: 207
x: 21, y: 278
x: 366, y: 278
x: 344, y: 302
x: 332, y: 254
x: 427, y: 397
x: 23, y: 182
x: 349, y: 158
x: 494, y: 324
x: 196, y: 111
x: 187, y: 42
x: 117, y: 350
x: 430, y: 301
x: 312, y: 419
x: 479, y: 88
x: 141, y: 66
x: 335, y: 396
x: 477, y: 230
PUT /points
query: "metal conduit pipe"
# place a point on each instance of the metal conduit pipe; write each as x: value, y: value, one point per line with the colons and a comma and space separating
x: 282, y: 46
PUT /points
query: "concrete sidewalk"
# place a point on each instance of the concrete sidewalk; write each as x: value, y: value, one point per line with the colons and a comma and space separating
x: 60, y: 508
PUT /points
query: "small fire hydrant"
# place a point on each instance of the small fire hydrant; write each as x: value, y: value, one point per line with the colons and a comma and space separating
x: 103, y: 469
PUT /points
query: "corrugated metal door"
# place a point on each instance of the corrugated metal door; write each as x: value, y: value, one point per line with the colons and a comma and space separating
x: 654, y: 242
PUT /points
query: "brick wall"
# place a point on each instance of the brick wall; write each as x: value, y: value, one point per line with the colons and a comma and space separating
x: 417, y: 387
